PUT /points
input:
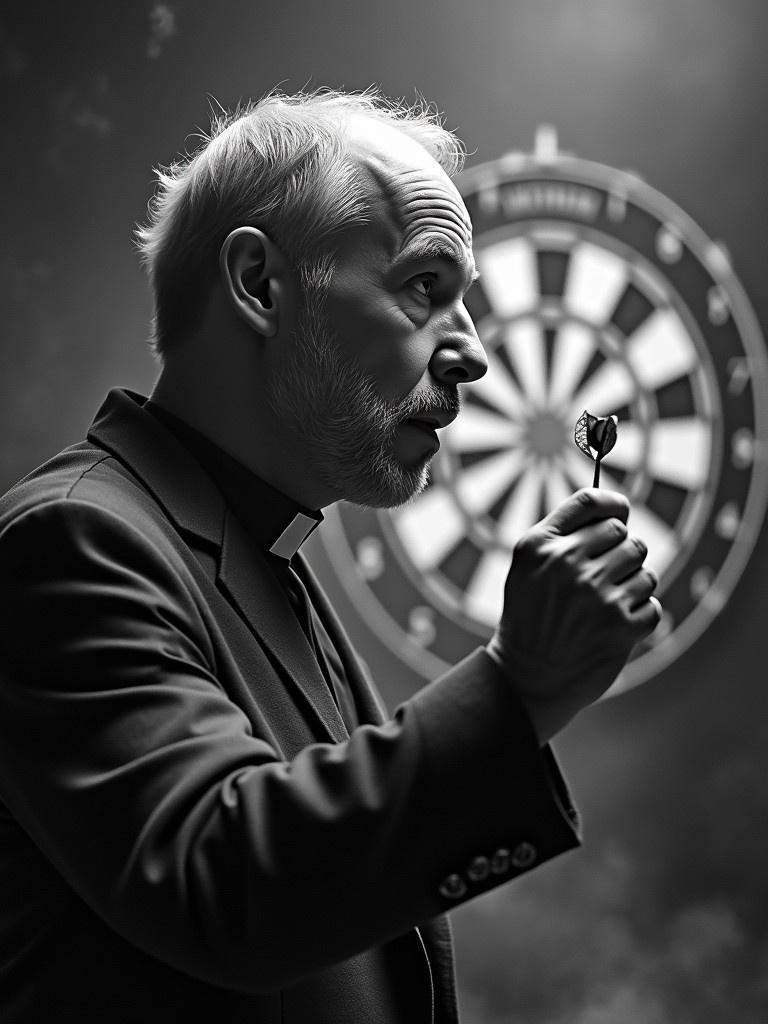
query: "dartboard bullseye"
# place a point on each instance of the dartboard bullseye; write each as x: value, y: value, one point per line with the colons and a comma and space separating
x: 596, y: 292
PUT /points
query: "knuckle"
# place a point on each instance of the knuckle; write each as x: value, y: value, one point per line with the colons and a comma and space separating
x: 531, y: 548
x: 585, y: 579
x: 620, y: 606
x: 524, y: 544
x: 584, y: 497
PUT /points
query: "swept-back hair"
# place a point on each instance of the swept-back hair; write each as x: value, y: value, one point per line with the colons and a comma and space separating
x: 280, y: 164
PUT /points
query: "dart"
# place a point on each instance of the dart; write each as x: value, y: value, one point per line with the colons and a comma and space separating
x: 598, y: 432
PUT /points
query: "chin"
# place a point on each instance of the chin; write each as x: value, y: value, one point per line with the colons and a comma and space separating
x: 392, y: 493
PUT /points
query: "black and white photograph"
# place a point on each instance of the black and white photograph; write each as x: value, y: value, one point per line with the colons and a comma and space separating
x: 383, y: 485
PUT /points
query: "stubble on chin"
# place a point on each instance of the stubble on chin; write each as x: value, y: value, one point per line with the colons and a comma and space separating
x: 332, y: 408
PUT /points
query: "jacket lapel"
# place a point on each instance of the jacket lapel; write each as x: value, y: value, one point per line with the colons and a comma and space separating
x: 261, y: 601
x: 194, y: 504
x: 370, y: 707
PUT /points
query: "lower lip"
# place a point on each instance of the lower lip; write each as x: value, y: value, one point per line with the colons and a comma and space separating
x: 422, y: 431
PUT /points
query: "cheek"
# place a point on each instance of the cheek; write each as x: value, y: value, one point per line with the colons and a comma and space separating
x: 399, y: 373
x: 384, y: 342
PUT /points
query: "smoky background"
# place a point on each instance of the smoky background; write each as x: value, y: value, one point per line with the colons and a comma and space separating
x: 659, y: 919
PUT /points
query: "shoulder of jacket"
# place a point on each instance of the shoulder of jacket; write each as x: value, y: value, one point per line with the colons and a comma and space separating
x: 82, y: 475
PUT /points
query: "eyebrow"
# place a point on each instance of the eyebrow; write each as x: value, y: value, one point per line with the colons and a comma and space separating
x: 434, y: 249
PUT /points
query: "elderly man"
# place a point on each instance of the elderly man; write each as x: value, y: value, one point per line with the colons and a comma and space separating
x: 206, y: 814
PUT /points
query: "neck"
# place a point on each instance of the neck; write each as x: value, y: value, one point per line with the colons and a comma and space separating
x: 216, y: 401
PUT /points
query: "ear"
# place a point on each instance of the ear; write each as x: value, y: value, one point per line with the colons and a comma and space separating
x: 256, y: 277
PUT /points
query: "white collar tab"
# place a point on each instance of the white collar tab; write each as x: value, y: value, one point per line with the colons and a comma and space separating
x: 293, y: 536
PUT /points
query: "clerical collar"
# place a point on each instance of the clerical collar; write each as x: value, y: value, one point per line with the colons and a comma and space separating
x: 277, y: 523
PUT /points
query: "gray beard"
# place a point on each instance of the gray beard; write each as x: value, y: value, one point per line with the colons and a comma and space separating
x: 348, y: 430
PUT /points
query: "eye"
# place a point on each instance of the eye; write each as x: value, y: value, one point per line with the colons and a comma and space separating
x: 423, y: 284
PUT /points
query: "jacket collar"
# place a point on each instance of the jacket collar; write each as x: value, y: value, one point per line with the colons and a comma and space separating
x: 195, y: 505
x: 175, y: 479
x: 277, y: 523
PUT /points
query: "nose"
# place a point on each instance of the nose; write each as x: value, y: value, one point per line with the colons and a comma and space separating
x: 460, y: 358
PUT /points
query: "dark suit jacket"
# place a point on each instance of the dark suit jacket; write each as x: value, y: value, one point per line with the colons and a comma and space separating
x: 187, y: 832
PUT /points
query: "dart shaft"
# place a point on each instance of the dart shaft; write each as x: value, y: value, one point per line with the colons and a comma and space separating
x: 596, y: 481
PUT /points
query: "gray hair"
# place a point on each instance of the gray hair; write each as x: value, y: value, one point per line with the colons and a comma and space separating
x: 280, y: 164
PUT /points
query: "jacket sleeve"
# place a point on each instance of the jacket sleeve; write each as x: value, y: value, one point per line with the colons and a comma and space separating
x: 144, y: 785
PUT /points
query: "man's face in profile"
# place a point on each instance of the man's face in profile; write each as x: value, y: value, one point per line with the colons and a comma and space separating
x: 364, y: 359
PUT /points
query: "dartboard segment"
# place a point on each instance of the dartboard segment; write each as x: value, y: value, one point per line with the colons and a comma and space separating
x: 610, y: 384
x: 680, y: 452
x: 525, y: 350
x: 660, y: 350
x: 575, y: 346
x: 498, y: 388
x: 483, y: 429
x: 510, y: 277
x: 595, y: 280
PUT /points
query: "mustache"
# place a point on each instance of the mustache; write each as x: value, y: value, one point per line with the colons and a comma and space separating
x: 430, y: 402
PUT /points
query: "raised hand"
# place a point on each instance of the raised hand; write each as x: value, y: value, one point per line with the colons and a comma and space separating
x: 576, y: 600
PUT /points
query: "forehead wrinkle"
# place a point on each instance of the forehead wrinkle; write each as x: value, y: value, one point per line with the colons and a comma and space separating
x: 419, y: 201
x: 427, y: 203
x: 431, y: 247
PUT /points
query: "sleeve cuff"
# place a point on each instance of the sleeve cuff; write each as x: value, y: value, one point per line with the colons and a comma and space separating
x: 502, y: 804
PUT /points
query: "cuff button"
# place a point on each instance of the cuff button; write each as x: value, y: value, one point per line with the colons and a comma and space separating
x: 479, y: 869
x: 523, y: 855
x: 500, y: 862
x: 453, y: 887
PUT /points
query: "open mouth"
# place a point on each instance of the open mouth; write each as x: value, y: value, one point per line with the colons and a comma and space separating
x: 422, y: 432
x: 428, y: 426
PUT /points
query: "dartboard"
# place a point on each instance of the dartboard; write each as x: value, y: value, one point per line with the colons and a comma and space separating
x: 596, y: 293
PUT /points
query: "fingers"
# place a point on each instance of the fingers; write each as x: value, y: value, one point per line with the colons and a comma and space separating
x: 590, y: 560
x: 646, y: 616
x: 620, y: 566
x: 597, y: 538
x: 639, y: 588
x: 623, y: 560
x: 584, y: 507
